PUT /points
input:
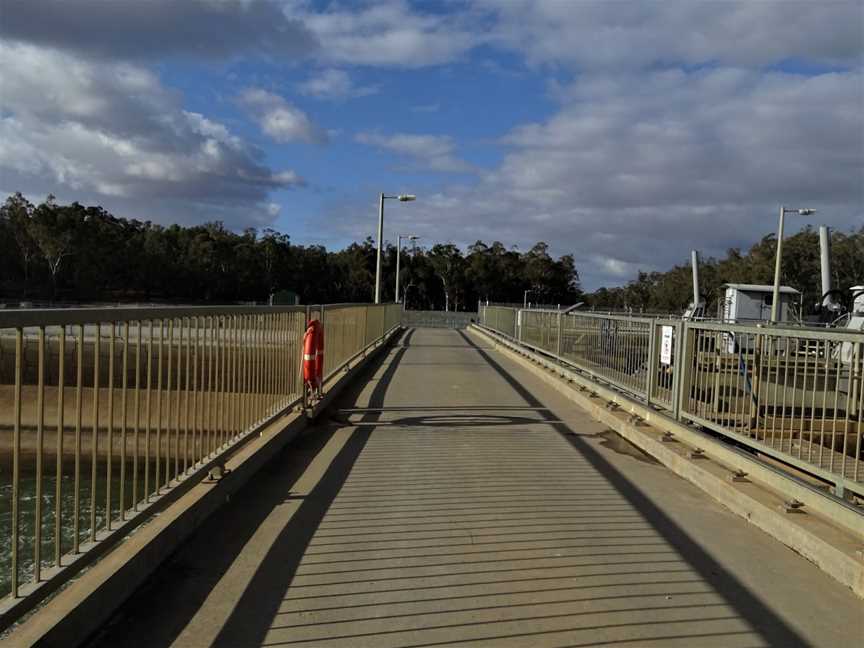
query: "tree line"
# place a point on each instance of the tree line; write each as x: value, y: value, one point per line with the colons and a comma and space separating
x: 671, y: 291
x: 73, y: 253
x: 83, y: 254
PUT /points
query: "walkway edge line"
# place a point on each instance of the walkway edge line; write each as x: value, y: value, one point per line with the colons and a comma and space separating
x: 75, y: 613
x: 757, y: 501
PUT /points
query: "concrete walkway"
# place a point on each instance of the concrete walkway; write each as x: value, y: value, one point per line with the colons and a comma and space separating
x: 455, y: 500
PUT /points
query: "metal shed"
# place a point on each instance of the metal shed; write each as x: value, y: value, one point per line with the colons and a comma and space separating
x: 752, y: 303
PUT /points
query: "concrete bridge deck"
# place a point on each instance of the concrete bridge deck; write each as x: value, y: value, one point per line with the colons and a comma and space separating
x: 455, y: 500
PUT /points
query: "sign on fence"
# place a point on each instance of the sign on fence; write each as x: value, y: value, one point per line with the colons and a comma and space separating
x: 666, y: 345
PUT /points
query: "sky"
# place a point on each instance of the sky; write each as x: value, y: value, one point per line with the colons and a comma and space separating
x: 623, y: 133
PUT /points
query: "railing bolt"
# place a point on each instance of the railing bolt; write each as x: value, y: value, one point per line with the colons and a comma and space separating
x: 739, y: 476
x: 667, y: 437
x: 217, y: 472
x: 792, y: 506
x: 697, y: 453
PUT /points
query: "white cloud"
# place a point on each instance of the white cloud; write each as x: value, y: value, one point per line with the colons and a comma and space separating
x: 432, y: 152
x: 635, y: 170
x: 93, y: 130
x: 595, y: 34
x: 334, y: 84
x: 279, y: 119
x: 387, y: 34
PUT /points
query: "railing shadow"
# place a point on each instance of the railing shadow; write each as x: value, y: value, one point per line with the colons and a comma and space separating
x: 254, y: 613
x: 183, y: 587
x: 760, y: 617
x: 610, y: 532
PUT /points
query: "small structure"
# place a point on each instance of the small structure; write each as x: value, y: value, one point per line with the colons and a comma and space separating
x: 284, y: 298
x: 752, y: 303
x: 857, y: 299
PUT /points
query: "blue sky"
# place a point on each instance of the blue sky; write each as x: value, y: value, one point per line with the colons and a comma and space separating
x: 624, y: 133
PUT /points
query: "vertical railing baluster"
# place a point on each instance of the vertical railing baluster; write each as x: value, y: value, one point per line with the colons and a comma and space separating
x: 79, y: 388
x: 137, y: 418
x: 123, y: 423
x: 58, y: 476
x: 40, y: 450
x: 169, y: 398
x: 110, y: 431
x: 94, y: 442
x: 147, y: 430
x: 187, y: 421
x: 16, y: 460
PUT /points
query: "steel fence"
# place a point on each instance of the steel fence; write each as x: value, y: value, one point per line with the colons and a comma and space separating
x: 102, y: 411
x: 794, y: 394
x: 349, y: 328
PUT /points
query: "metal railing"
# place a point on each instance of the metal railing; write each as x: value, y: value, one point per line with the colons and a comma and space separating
x: 103, y: 411
x: 794, y: 394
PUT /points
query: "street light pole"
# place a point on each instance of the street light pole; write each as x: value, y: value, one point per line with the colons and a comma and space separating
x: 382, y: 198
x: 778, y: 259
x: 378, y: 257
x: 398, y: 256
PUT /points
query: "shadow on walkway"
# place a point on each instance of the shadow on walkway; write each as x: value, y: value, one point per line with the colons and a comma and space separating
x: 760, y: 617
x: 177, y: 586
x: 477, y: 518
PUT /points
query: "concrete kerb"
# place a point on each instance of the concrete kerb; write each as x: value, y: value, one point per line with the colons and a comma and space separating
x: 76, y: 612
x: 832, y: 544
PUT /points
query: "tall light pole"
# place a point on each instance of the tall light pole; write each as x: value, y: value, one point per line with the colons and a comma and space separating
x: 410, y: 237
x: 775, y: 301
x: 400, y: 198
x: 525, y: 298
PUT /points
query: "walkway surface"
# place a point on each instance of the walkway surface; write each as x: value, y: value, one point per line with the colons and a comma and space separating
x: 454, y: 500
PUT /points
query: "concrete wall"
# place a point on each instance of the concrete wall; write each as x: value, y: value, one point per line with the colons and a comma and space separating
x: 437, y: 319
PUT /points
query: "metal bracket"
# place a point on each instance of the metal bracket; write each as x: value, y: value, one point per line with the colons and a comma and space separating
x: 217, y: 472
x: 739, y: 476
x: 668, y: 437
x: 792, y: 506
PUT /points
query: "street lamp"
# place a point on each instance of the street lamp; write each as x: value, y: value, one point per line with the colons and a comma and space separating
x: 525, y: 298
x: 775, y: 301
x: 410, y: 237
x: 400, y: 198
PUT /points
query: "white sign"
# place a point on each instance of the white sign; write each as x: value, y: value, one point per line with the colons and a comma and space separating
x: 666, y: 345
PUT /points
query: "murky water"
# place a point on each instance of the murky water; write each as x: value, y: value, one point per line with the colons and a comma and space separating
x: 27, y: 512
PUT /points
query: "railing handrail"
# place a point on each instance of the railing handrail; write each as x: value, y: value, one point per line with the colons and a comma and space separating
x: 788, y: 392
x: 117, y: 394
x: 31, y: 317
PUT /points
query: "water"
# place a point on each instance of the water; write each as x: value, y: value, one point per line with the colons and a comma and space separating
x: 27, y: 512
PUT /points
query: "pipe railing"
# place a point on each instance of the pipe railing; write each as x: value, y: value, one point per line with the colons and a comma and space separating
x: 104, y: 410
x: 794, y: 394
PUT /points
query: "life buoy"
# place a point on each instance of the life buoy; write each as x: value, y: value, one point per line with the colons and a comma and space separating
x: 310, y: 353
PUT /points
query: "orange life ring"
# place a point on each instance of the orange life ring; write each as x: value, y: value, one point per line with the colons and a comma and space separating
x: 310, y: 353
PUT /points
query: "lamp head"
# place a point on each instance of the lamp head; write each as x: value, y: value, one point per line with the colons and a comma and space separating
x: 806, y: 212
x: 406, y: 197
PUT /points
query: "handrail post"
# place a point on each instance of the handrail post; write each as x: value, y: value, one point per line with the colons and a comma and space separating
x: 682, y: 371
x: 653, y: 362
x: 560, y: 330
x: 518, y: 324
x: 677, y: 370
